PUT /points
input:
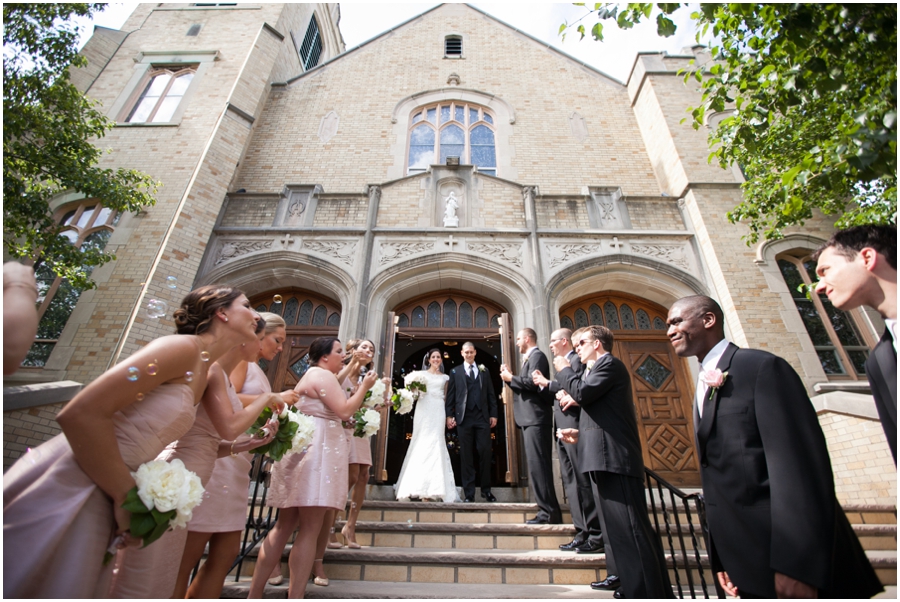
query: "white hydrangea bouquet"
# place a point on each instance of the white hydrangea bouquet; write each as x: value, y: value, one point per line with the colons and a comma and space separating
x: 295, y: 433
x: 375, y: 396
x: 403, y: 400
x: 164, y: 497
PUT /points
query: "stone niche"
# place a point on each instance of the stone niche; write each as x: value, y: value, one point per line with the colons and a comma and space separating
x: 450, y: 183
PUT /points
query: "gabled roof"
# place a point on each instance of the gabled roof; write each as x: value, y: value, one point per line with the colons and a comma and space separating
x: 564, y: 55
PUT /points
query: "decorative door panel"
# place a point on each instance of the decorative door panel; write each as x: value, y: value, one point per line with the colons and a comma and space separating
x: 662, y: 399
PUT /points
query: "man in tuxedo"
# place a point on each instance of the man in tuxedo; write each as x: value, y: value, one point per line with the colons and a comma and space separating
x: 858, y: 266
x: 472, y: 409
x: 610, y: 449
x: 533, y: 411
x: 776, y: 529
x: 588, y: 533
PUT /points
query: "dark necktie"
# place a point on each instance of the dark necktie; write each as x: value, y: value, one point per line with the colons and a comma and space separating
x: 471, y: 370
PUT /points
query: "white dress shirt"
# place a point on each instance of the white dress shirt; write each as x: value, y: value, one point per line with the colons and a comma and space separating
x: 709, y: 363
x: 892, y: 328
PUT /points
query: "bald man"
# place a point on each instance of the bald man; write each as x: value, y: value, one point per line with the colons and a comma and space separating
x: 776, y: 528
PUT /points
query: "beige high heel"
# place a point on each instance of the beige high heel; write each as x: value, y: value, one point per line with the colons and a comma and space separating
x: 279, y: 578
x: 320, y: 581
x: 350, y: 544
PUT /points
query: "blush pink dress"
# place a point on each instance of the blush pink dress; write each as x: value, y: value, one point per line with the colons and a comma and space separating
x: 57, y: 523
x: 360, y: 447
x: 317, y: 478
x: 225, y: 509
x: 151, y: 572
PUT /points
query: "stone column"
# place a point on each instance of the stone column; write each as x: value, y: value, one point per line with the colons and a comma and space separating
x: 362, y: 288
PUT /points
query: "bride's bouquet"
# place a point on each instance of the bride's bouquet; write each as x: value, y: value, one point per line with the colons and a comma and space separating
x: 417, y: 382
x: 295, y: 433
x: 164, y: 497
x: 365, y: 422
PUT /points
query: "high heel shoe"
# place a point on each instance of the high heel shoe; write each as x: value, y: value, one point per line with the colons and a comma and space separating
x: 320, y: 581
x: 276, y: 580
x: 350, y: 543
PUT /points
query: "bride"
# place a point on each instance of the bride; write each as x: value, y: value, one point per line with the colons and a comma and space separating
x: 426, y: 471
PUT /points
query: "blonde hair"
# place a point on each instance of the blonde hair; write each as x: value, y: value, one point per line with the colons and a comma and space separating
x: 273, y: 321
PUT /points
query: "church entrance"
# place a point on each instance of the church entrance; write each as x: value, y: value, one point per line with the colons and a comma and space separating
x: 444, y: 321
x: 663, y: 392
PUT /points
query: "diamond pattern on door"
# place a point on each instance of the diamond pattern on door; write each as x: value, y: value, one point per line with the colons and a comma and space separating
x: 653, y: 372
x: 671, y: 449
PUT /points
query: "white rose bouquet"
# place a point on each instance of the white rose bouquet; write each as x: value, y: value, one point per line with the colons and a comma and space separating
x: 375, y: 395
x: 365, y: 422
x: 402, y: 401
x: 164, y: 497
x: 295, y: 433
x: 417, y: 382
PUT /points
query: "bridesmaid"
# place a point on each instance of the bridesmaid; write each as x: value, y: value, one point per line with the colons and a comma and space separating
x: 305, y: 491
x: 62, y: 500
x: 152, y: 572
x: 221, y: 518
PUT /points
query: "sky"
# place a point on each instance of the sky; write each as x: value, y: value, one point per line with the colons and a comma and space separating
x: 614, y: 56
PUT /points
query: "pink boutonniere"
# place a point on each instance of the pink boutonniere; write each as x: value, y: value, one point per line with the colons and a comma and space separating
x: 713, y: 379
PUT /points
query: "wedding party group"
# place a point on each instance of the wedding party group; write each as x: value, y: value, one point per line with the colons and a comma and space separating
x: 152, y: 468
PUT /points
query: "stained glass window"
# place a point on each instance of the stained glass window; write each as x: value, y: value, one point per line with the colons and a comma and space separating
x: 612, y: 316
x: 290, y: 311
x: 643, y: 320
x: 465, y: 315
x: 596, y: 315
x: 434, y: 315
x: 481, y: 318
x: 581, y: 319
x: 444, y: 133
x: 418, y: 318
x: 627, y: 317
x: 305, y: 316
x: 319, y: 316
x: 449, y: 314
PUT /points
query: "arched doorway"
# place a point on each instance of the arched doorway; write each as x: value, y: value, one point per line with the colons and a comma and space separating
x: 663, y: 393
x: 308, y: 316
x: 445, y: 320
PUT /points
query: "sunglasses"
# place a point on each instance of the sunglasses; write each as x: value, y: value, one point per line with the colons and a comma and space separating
x: 582, y: 342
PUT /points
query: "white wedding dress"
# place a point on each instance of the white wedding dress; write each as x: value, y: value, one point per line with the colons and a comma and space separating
x: 426, y: 471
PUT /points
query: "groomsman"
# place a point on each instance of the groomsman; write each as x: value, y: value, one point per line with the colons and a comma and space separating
x: 588, y: 533
x: 776, y: 529
x: 858, y: 266
x: 611, y: 452
x: 533, y: 411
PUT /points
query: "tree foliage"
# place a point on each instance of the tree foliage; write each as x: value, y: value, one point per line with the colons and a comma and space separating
x: 49, y: 134
x: 813, y: 88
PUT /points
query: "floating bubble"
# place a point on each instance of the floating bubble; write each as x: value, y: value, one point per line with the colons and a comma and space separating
x: 204, y: 356
x: 172, y: 282
x: 225, y: 489
x: 189, y: 376
x: 152, y: 369
x: 33, y: 454
x: 157, y: 308
x: 409, y: 523
x: 276, y: 299
x: 133, y: 373
x: 139, y: 396
x: 327, y: 479
x: 205, y: 495
x: 322, y: 391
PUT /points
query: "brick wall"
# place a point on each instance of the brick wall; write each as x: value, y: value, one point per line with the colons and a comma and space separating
x: 864, y: 471
x: 247, y: 212
x: 341, y: 212
x: 23, y: 429
x: 567, y: 214
x: 654, y: 215
x: 402, y: 205
x: 502, y: 205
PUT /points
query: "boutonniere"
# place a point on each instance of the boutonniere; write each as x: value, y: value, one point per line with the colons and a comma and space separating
x: 713, y: 379
x: 590, y: 365
x: 481, y: 368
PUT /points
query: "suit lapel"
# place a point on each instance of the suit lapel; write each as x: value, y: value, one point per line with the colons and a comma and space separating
x: 886, y: 358
x: 711, y: 402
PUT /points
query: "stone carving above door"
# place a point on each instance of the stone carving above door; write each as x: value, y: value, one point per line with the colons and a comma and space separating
x: 232, y: 249
x: 506, y: 252
x: 395, y: 251
x: 342, y: 250
x: 563, y: 253
x: 669, y: 253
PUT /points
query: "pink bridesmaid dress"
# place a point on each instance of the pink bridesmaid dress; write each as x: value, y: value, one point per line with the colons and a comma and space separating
x: 360, y: 447
x: 57, y: 523
x: 225, y: 509
x: 319, y: 477
x: 151, y: 572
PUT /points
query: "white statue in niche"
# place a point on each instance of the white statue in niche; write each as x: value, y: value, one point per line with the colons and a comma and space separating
x: 451, y: 205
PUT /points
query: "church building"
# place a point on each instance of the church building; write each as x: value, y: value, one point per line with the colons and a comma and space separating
x: 452, y: 179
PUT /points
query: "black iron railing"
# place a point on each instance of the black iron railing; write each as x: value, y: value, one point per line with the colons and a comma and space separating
x: 683, y: 515
x: 260, y: 518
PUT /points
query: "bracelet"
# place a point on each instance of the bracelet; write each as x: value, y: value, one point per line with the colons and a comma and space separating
x: 24, y: 285
x: 233, y: 455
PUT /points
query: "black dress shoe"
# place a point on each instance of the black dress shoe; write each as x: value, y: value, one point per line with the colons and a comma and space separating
x: 571, y: 546
x: 537, y: 520
x: 489, y: 496
x: 469, y: 500
x: 618, y: 595
x: 611, y: 582
x: 590, y: 548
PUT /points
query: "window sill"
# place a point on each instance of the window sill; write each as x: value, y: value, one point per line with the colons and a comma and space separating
x: 238, y: 7
x: 29, y: 396
x: 847, y: 386
x: 124, y: 124
x: 454, y: 58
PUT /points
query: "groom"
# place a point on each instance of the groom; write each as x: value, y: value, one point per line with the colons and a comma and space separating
x: 472, y: 409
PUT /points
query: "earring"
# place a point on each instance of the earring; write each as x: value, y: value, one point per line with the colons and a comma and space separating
x: 224, y: 317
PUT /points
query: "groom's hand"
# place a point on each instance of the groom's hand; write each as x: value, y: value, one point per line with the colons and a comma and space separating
x: 493, y: 422
x: 451, y: 422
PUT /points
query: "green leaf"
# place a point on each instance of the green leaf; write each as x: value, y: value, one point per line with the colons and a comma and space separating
x: 142, y: 524
x: 158, y: 531
x: 665, y: 27
x: 597, y: 31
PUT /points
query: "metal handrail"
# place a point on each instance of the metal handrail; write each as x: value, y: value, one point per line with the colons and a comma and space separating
x: 681, y: 564
x: 260, y: 518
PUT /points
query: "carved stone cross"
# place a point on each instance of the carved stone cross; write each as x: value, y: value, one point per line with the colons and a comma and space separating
x: 451, y: 242
x: 287, y: 240
x: 615, y: 244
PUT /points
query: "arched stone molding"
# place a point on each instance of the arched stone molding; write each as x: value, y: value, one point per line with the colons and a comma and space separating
x: 768, y: 249
x: 442, y: 271
x: 261, y: 272
x: 505, y: 118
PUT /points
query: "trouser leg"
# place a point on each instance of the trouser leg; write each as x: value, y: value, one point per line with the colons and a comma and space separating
x: 538, y: 451
x: 483, y: 445
x: 467, y: 459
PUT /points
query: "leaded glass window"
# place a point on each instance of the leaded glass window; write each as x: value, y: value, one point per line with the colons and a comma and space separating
x: 465, y: 315
x: 581, y: 319
x: 290, y: 311
x: 481, y: 318
x: 627, y: 317
x: 334, y: 319
x: 566, y: 322
x: 612, y: 316
x: 418, y: 317
x: 449, y: 320
x: 596, y: 315
x: 162, y: 95
x: 434, y: 315
x: 319, y: 316
x: 452, y: 129
x: 306, y: 309
x: 643, y: 320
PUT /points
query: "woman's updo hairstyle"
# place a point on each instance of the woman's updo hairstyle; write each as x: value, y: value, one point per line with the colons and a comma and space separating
x: 351, y: 346
x: 200, y: 305
x: 273, y: 321
x: 320, y: 348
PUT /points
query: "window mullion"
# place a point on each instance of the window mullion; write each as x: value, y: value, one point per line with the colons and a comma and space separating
x: 48, y: 297
x: 162, y: 96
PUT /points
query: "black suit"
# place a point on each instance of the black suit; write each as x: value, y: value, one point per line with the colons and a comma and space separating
x: 533, y: 411
x: 769, y: 490
x: 611, y: 453
x: 577, y: 484
x: 881, y: 369
x: 471, y: 401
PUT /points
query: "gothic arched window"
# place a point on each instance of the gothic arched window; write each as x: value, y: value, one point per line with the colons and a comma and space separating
x: 161, y: 96
x: 452, y: 129
x: 87, y: 225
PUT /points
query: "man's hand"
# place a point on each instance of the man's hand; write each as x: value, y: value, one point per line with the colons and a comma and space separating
x: 539, y: 379
x: 493, y: 422
x: 788, y: 587
x: 505, y: 374
x: 567, y: 435
x: 451, y: 423
x: 566, y: 402
x: 727, y: 585
x: 560, y: 362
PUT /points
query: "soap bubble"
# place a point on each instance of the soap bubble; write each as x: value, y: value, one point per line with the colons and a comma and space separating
x: 189, y: 376
x: 133, y: 373
x: 409, y: 523
x: 157, y: 308
x: 172, y: 282
x: 204, y: 356
x: 33, y: 454
x: 152, y: 369
x: 276, y: 299
x: 139, y: 397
